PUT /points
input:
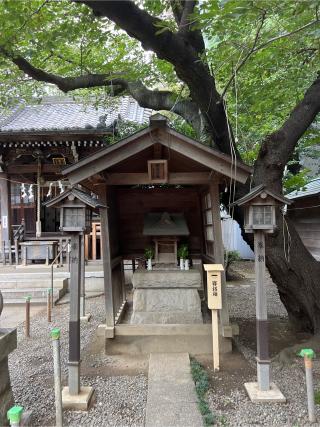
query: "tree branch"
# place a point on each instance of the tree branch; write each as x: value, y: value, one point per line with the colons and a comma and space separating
x: 154, y: 99
x: 277, y: 149
x: 256, y: 48
x: 251, y: 50
x: 188, y: 8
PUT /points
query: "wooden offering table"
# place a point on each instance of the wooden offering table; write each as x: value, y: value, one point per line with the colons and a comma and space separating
x: 37, y: 250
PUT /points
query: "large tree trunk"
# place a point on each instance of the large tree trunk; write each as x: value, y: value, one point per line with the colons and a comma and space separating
x: 293, y: 269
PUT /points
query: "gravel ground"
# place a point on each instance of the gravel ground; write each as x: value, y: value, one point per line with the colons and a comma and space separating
x: 227, y: 397
x: 120, y: 401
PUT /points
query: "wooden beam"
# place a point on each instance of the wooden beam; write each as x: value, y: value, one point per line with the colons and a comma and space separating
x: 175, y: 178
x: 219, y: 248
x: 106, y: 258
x: 45, y: 168
x: 205, y: 156
x: 112, y: 156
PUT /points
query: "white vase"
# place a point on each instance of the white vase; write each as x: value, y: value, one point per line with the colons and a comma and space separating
x: 186, y: 264
x: 181, y: 264
x: 149, y: 264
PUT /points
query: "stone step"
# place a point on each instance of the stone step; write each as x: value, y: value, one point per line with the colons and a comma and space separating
x: 23, y: 283
x: 145, y: 339
x: 38, y: 295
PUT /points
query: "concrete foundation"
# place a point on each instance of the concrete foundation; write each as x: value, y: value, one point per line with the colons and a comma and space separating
x: 166, y: 297
x: 146, y: 339
x: 8, y: 343
x: 78, y: 402
x: 256, y: 396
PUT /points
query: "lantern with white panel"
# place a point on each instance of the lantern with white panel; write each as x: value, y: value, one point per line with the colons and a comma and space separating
x: 76, y: 208
x: 260, y: 213
x: 214, y: 304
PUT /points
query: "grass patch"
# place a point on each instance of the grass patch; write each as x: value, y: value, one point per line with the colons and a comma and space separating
x: 201, y: 380
x: 317, y: 397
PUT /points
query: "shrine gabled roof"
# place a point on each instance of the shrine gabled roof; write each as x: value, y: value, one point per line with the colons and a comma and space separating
x: 83, y: 196
x: 256, y: 191
x: 158, y: 132
x: 63, y: 114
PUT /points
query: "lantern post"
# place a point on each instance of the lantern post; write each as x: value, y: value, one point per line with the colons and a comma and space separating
x: 75, y: 219
x: 260, y: 218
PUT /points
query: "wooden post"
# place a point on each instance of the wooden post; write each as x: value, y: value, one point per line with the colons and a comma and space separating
x: 47, y: 255
x: 94, y: 242
x: 16, y: 251
x: 28, y: 316
x: 74, y: 322
x: 10, y: 252
x: 49, y: 303
x: 61, y: 251
x: 86, y: 246
x: 82, y: 286
x: 68, y: 254
x: 215, y: 340
x: 106, y: 257
x: 5, y: 204
x: 263, y: 360
x: 38, y: 222
x: 219, y: 250
x: 3, y: 252
x: 214, y: 304
x: 24, y: 256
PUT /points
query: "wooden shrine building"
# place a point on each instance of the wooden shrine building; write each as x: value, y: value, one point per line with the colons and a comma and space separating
x: 157, y: 171
x: 36, y: 142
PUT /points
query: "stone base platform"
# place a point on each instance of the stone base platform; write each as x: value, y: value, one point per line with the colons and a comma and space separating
x: 273, y: 395
x: 146, y: 339
x: 166, y: 297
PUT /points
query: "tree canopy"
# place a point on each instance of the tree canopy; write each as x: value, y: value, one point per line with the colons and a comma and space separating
x: 264, y: 54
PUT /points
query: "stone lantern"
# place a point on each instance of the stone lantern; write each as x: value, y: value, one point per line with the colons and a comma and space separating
x: 260, y: 207
x: 75, y: 219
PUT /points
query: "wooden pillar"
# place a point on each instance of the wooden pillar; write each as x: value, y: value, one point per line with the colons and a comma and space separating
x: 219, y: 250
x: 106, y: 259
x: 74, y: 322
x: 263, y: 360
x: 82, y: 278
x: 5, y: 204
x: 38, y: 221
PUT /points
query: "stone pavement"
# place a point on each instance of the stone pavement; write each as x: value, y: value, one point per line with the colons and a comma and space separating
x: 172, y: 399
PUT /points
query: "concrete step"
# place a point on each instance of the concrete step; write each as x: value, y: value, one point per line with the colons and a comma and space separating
x: 25, y: 282
x: 38, y: 295
x: 172, y: 398
x: 195, y: 339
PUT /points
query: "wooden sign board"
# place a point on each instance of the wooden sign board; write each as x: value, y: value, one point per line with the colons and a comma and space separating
x: 214, y: 285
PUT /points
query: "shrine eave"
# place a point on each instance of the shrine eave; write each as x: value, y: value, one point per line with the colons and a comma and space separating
x: 54, y: 135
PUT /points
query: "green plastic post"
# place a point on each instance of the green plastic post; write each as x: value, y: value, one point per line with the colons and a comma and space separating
x: 28, y: 297
x: 307, y: 352
x: 14, y: 414
x: 55, y: 333
x: 49, y: 290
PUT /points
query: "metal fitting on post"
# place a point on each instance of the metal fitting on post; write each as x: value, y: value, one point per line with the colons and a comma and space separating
x: 14, y: 415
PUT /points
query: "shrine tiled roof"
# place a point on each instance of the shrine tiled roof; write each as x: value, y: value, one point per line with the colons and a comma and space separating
x: 62, y: 114
x: 310, y: 189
